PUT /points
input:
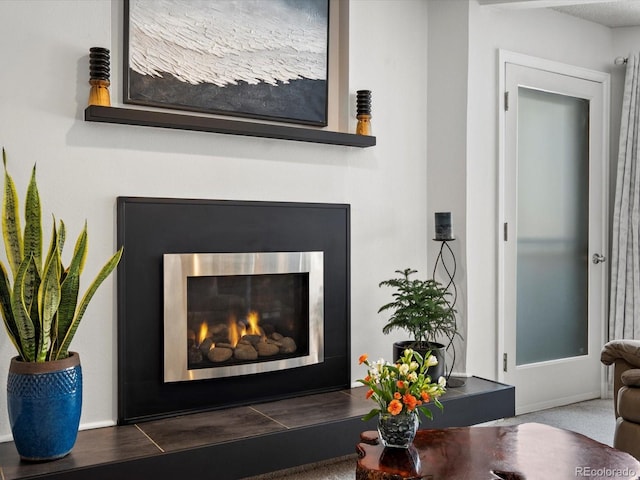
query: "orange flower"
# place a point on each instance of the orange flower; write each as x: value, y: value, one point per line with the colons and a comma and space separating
x: 363, y: 358
x: 395, y: 407
x: 410, y: 401
x: 368, y: 395
x: 367, y: 378
x: 425, y: 397
x: 400, y: 384
x: 397, y: 396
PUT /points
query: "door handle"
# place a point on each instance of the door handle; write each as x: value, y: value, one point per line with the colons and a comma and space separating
x: 597, y: 258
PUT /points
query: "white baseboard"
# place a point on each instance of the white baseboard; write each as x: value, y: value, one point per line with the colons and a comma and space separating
x: 556, y: 402
x: 101, y: 424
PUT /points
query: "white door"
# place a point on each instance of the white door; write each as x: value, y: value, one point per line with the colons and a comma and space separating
x: 554, y: 210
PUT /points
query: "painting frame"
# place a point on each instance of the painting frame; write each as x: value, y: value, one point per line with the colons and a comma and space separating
x: 283, y: 83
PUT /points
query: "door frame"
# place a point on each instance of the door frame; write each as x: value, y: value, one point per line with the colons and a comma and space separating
x: 504, y: 57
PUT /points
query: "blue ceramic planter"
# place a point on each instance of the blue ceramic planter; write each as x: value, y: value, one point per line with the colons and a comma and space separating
x: 44, y: 402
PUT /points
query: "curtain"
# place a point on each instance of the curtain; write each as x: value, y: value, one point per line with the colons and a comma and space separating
x: 624, y: 307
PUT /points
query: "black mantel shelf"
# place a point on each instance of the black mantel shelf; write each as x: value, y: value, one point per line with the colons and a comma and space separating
x: 147, y: 118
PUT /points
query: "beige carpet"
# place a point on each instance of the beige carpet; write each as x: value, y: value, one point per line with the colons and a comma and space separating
x: 593, y: 418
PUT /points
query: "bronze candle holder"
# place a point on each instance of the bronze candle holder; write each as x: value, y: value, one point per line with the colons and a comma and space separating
x: 363, y: 106
x: 99, y: 68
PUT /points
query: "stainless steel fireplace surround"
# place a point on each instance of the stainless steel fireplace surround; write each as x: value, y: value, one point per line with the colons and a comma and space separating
x: 178, y: 268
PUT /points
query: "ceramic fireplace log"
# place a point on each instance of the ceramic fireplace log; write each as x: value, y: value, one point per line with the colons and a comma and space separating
x: 249, y: 348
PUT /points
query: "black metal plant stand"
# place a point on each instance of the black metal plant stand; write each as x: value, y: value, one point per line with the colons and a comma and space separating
x: 450, y: 271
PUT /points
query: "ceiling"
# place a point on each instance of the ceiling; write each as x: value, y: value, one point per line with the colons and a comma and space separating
x: 612, y: 13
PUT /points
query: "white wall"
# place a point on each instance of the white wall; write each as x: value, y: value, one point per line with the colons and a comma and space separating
x: 541, y: 33
x: 448, y: 31
x: 83, y: 167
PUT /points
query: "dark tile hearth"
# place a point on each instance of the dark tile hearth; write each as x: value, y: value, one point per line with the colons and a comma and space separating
x: 199, y: 429
x: 279, y: 434
x: 320, y: 408
x: 102, y: 445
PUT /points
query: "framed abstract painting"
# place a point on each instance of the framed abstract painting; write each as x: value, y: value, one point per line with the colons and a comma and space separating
x: 262, y: 59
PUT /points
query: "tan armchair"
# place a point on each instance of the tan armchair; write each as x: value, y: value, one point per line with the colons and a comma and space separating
x: 625, y: 356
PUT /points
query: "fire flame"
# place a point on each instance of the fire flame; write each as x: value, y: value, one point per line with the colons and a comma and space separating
x: 236, y: 332
x: 253, y: 319
x: 202, y: 334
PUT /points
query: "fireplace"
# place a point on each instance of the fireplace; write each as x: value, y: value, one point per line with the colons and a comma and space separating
x: 229, y: 314
x: 227, y: 303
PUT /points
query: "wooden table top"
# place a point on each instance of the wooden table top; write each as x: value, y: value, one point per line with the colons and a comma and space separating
x: 527, y: 451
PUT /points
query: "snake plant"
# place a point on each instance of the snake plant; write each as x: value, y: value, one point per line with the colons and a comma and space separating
x: 39, y: 302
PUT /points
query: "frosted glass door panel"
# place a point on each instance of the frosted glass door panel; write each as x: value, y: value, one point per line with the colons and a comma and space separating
x: 552, y: 243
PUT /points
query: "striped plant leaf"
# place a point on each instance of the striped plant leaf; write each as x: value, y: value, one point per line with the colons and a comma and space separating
x: 33, y: 222
x: 48, y: 298
x: 62, y: 234
x: 7, y: 312
x: 11, y: 229
x: 53, y: 246
x: 82, y: 306
x: 71, y: 286
x: 20, y: 308
x: 31, y: 284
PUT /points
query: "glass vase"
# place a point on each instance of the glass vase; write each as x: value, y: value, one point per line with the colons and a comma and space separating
x: 398, y: 430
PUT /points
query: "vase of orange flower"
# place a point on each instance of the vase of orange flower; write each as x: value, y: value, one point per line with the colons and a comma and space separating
x: 401, y: 390
x: 397, y: 430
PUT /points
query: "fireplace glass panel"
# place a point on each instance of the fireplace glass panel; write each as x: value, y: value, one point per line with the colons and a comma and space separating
x: 241, y: 319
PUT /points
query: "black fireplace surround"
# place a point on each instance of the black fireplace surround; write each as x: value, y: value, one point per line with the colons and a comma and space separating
x: 151, y: 227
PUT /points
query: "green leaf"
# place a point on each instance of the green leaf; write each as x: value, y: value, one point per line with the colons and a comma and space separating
x: 33, y: 223
x: 53, y: 246
x: 104, y: 273
x: 426, y: 412
x: 48, y: 298
x: 7, y: 312
x: 371, y: 414
x: 62, y: 236
x: 11, y: 229
x: 24, y: 324
x: 71, y: 286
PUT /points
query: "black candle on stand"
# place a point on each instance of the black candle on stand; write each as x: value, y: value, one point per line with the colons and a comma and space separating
x: 444, y: 227
x: 444, y: 234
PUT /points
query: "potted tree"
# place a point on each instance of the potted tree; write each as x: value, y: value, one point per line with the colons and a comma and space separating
x: 41, y: 309
x: 421, y: 308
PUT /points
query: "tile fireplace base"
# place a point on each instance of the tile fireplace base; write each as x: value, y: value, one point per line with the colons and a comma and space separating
x: 244, y: 441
